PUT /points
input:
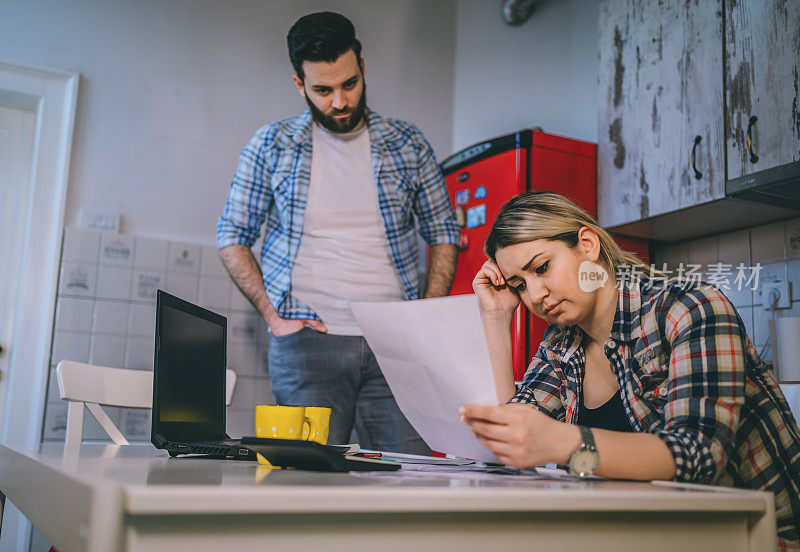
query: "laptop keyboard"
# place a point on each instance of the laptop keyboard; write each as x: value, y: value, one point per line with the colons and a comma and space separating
x: 221, y: 442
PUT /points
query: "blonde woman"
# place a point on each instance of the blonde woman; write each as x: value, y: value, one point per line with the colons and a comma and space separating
x: 654, y: 379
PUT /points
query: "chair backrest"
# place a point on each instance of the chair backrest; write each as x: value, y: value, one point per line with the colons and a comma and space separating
x: 91, y: 386
x: 230, y: 385
x: 103, y: 385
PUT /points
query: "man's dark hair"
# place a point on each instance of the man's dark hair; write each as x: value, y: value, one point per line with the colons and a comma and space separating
x: 322, y: 36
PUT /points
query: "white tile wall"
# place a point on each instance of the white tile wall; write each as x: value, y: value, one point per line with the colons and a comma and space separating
x: 105, y: 314
x: 110, y: 317
x: 767, y: 243
x: 142, y: 321
x: 211, y: 264
x: 74, y: 314
x: 739, y: 295
x: 673, y: 255
x: 113, y: 282
x: 244, y: 395
x: 243, y: 328
x: 242, y: 359
x: 791, y: 230
x: 184, y: 285
x: 704, y: 251
x: 107, y: 350
x: 139, y: 353
x: 134, y: 423
x: 81, y: 245
x: 761, y: 317
x: 77, y: 279
x: 52, y: 382
x: 184, y: 257
x: 150, y: 253
x: 92, y: 430
x: 747, y: 317
x: 238, y: 301
x: 70, y: 346
x: 116, y: 249
x: 215, y: 292
x: 792, y: 394
x: 240, y: 423
x: 145, y: 283
x: 776, y: 247
x: 55, y: 421
x: 793, y: 275
x: 263, y: 394
x: 734, y: 248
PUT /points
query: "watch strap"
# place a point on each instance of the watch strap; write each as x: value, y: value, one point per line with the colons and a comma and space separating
x: 587, y: 439
x: 587, y: 446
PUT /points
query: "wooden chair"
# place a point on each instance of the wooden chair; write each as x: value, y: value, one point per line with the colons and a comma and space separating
x: 92, y: 386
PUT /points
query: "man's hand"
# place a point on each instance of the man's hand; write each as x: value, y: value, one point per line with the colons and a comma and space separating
x: 288, y: 326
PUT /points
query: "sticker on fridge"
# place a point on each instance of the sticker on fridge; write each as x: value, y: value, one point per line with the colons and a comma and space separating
x: 476, y: 216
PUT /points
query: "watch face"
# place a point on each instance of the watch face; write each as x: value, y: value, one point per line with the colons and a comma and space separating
x: 584, y: 462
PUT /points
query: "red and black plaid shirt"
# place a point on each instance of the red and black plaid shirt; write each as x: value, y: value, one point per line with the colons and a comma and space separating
x: 688, y: 373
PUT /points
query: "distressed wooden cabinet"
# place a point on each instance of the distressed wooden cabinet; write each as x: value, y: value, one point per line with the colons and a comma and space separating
x: 660, y: 82
x: 667, y: 69
x: 762, y: 84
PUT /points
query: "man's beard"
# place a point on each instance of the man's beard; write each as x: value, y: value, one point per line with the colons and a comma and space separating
x: 332, y: 124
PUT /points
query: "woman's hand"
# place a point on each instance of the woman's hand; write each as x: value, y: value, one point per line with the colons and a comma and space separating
x: 495, y: 296
x: 519, y: 435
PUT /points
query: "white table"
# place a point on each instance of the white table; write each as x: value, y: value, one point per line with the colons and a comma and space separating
x: 108, y: 498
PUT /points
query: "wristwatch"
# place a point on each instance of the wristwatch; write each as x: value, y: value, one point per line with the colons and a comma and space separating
x: 584, y: 460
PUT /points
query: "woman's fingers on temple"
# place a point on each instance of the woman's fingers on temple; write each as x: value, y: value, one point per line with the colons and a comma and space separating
x: 492, y: 272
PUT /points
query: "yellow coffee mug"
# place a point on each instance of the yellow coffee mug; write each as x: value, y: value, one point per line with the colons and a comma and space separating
x: 282, y: 422
x: 321, y: 416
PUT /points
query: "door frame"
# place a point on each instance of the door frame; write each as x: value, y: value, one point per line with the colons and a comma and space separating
x: 53, y: 95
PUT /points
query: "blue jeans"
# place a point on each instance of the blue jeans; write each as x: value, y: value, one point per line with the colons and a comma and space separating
x: 309, y: 368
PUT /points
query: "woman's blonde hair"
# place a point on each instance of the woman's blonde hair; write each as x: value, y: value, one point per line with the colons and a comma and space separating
x: 543, y: 215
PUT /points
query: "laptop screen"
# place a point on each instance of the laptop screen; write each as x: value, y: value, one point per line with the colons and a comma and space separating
x: 189, y: 379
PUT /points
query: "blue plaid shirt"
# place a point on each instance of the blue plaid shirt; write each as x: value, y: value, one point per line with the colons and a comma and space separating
x: 271, y: 184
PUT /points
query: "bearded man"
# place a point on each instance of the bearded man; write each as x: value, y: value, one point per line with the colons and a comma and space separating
x: 341, y: 193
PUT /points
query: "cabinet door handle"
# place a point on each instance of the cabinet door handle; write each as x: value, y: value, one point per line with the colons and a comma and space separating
x: 753, y: 156
x: 697, y: 174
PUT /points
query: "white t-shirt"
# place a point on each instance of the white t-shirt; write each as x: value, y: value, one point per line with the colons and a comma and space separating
x: 344, y: 253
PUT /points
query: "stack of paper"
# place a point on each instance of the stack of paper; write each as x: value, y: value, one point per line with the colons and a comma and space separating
x: 433, y: 354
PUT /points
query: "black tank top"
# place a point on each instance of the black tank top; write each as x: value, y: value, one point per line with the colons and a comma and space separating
x: 610, y: 415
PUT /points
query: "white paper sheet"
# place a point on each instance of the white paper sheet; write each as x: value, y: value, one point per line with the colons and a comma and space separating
x: 433, y: 354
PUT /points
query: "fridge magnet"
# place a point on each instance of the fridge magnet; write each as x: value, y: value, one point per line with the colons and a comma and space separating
x: 476, y: 216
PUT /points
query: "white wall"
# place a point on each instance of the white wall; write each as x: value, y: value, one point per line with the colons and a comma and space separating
x: 542, y: 73
x: 172, y: 90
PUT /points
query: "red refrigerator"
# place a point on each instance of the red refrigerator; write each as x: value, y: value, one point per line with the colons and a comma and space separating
x: 482, y: 178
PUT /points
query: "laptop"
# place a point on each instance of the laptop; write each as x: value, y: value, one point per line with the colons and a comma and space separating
x: 189, y: 381
x: 189, y: 397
